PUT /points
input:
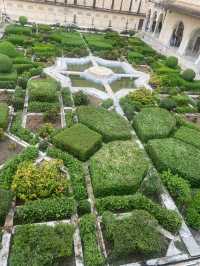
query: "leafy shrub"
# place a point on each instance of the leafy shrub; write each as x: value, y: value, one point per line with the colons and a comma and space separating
x: 75, y: 170
x: 188, y: 135
x: 43, y: 145
x: 3, y: 115
x: 129, y: 107
x: 181, y: 99
x: 181, y: 158
x: 69, y: 117
x: 8, y: 49
x: 39, y: 181
x: 16, y: 29
x: 114, y: 171
x: 91, y: 252
x: 23, y: 20
x: 5, y: 64
x: 109, y: 124
x: 51, y: 115
x: 153, y: 123
x: 169, y: 219
x: 67, y: 98
x: 137, y: 58
x: 10, y: 167
x: 41, y: 107
x: 97, y: 42
x: 18, y: 98
x: 83, y: 207
x: 78, y: 140
x: 168, y: 103
x: 188, y: 75
x: 44, y: 50
x: 45, y: 210
x: 5, y: 204
x: 172, y: 62
x: 51, y: 243
x: 178, y: 187
x: 1, y: 134
x: 107, y: 103
x: 80, y: 98
x: 143, y: 96
x: 134, y: 234
x: 193, y: 212
x: 46, y: 130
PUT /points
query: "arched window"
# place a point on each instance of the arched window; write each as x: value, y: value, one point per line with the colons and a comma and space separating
x: 193, y: 48
x: 154, y: 22
x: 177, y: 35
x: 148, y: 20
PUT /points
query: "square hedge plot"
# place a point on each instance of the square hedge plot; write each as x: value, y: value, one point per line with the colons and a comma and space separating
x: 188, y: 135
x: 78, y: 140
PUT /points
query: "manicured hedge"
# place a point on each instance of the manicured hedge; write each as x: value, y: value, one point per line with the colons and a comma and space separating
x: 181, y: 158
x: 45, y: 210
x: 153, y: 123
x: 37, y: 107
x: 188, y: 135
x: 75, y: 169
x: 10, y: 167
x: 5, y: 64
x: 8, y: 49
x: 97, y: 42
x: 41, y: 244
x: 78, y: 140
x: 5, y: 204
x: 4, y: 111
x: 109, y: 124
x: 193, y: 212
x: 91, y: 252
x: 169, y: 219
x: 16, y: 29
x: 118, y: 169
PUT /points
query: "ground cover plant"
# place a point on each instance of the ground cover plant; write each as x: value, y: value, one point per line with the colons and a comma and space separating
x: 118, y: 169
x: 192, y: 213
x: 188, y: 135
x: 109, y: 124
x: 153, y: 123
x: 52, y: 244
x: 181, y: 158
x: 5, y: 203
x: 78, y: 140
x: 3, y: 115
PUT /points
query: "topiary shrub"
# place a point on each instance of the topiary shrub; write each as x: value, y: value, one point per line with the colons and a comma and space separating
x: 172, y: 61
x: 168, y: 104
x: 8, y: 49
x: 23, y: 20
x: 80, y: 98
x: 5, y: 64
x: 188, y: 75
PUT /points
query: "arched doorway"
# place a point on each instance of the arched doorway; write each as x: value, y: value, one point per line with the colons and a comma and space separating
x: 177, y: 35
x: 153, y: 26
x: 193, y: 48
x: 148, y: 20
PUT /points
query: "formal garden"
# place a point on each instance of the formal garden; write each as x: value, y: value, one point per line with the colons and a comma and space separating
x: 99, y: 150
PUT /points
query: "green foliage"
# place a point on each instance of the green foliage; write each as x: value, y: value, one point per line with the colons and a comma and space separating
x: 23, y: 20
x: 107, y: 103
x: 4, y: 111
x: 45, y: 210
x: 172, y: 62
x: 181, y: 158
x: 10, y: 167
x: 1, y: 134
x: 44, y: 50
x: 178, y: 187
x: 5, y: 204
x: 169, y: 219
x: 79, y: 141
x: 51, y: 115
x: 115, y: 171
x: 188, y: 135
x: 8, y: 49
x: 181, y: 99
x: 109, y: 124
x: 91, y: 252
x: 188, y: 75
x: 43, y: 145
x: 97, y: 42
x: 83, y: 207
x: 143, y: 96
x: 39, y: 181
x: 168, y: 103
x: 69, y: 117
x: 18, y: 98
x: 16, y: 29
x: 129, y: 107
x: 137, y: 58
x: 80, y: 98
x: 51, y: 243
x: 153, y: 123
x: 193, y: 212
x: 5, y: 64
x: 136, y: 234
x: 75, y: 169
x: 67, y: 99
x: 41, y: 107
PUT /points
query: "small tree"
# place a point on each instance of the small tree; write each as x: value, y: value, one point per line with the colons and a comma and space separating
x: 23, y: 20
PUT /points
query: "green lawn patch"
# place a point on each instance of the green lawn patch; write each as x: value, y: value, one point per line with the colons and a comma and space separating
x: 153, y: 123
x: 188, y: 135
x: 109, y: 124
x: 118, y: 169
x: 78, y: 140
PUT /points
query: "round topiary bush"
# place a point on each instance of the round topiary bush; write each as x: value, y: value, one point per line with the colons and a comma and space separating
x: 8, y: 49
x: 23, y: 20
x: 5, y: 64
x: 188, y: 75
x: 172, y: 61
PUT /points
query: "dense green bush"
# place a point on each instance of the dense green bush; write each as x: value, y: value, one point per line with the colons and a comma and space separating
x: 137, y: 58
x: 52, y: 244
x: 4, y: 111
x: 75, y: 169
x: 169, y: 219
x: 143, y: 96
x: 8, y: 49
x: 168, y: 103
x: 153, y: 123
x: 181, y: 99
x: 97, y: 42
x: 67, y: 98
x: 41, y: 107
x: 45, y: 210
x: 83, y: 207
x: 18, y: 98
x: 188, y: 135
x: 16, y: 29
x: 107, y: 103
x: 5, y: 204
x: 109, y: 124
x: 78, y: 140
x: 181, y: 158
x: 10, y: 167
x: 115, y: 171
x: 188, y: 75
x: 193, y: 212
x: 91, y: 253
x: 172, y: 61
x: 44, y: 50
x: 23, y: 20
x: 80, y: 98
x: 5, y: 64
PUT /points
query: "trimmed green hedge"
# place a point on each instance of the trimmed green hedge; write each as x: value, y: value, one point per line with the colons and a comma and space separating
x: 16, y: 29
x: 5, y: 204
x: 193, y: 212
x: 118, y: 169
x: 37, y: 107
x: 78, y: 140
x: 5, y: 64
x: 4, y: 112
x: 188, y: 135
x: 169, y: 219
x: 109, y: 124
x: 91, y: 253
x: 45, y: 210
x: 8, y: 49
x: 153, y: 123
x: 181, y: 158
